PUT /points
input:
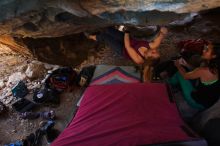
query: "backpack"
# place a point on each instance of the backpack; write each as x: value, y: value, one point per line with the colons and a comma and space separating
x: 61, y: 79
x: 23, y: 105
x: 45, y: 95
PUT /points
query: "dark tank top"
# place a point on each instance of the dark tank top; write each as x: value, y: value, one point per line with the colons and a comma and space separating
x: 207, y: 95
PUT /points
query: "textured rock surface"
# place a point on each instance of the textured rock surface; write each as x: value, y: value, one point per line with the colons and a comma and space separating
x: 53, y: 18
x: 35, y: 70
x: 15, y: 78
x: 48, y: 29
x: 8, y: 45
x: 2, y: 84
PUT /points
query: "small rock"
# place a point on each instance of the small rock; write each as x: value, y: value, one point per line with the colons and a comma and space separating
x: 8, y: 100
x: 36, y: 62
x: 2, y: 97
x: 22, y: 121
x: 49, y: 71
x: 29, y: 84
x: 2, y: 84
x: 48, y: 66
x: 15, y: 78
x: 9, y: 93
x: 4, y: 100
x: 5, y: 79
x: 55, y: 67
x: 35, y: 70
x: 34, y: 86
x: 22, y: 68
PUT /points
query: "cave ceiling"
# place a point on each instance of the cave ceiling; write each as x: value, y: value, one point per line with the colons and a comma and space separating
x: 55, y: 18
x: 51, y: 29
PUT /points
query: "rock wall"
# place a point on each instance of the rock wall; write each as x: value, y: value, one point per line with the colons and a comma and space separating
x: 27, y: 23
x: 55, y: 18
x: 66, y: 50
x: 8, y: 45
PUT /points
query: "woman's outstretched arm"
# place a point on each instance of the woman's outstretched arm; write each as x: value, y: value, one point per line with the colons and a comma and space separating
x: 157, y: 41
x: 131, y: 52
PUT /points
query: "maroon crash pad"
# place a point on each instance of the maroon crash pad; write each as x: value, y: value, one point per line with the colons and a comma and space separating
x: 125, y: 114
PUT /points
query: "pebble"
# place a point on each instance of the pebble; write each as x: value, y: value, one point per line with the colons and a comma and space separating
x: 2, y: 84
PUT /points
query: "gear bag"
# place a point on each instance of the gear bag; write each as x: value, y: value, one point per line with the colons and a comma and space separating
x: 61, y: 79
x: 45, y: 95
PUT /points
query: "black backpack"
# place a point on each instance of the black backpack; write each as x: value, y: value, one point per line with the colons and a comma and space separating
x: 46, y: 95
x: 61, y: 79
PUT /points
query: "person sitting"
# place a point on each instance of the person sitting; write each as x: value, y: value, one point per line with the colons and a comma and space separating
x: 207, y: 92
x: 131, y: 48
x: 190, y: 52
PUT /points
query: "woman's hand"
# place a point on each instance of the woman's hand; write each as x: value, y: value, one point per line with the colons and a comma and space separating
x: 195, y: 74
x: 163, y: 30
x: 182, y: 62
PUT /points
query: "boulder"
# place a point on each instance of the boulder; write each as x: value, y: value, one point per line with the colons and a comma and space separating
x: 48, y: 66
x: 22, y: 68
x: 53, y: 18
x: 35, y: 70
x: 2, y: 84
x: 15, y: 78
x: 51, y: 29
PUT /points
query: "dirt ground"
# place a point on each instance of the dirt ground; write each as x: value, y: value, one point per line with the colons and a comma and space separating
x: 13, y: 128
